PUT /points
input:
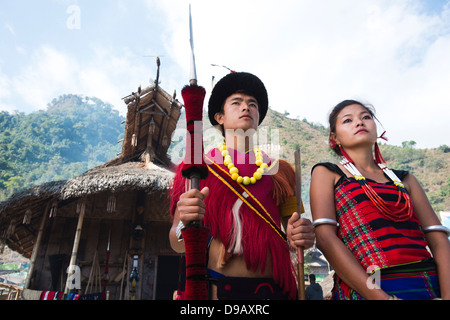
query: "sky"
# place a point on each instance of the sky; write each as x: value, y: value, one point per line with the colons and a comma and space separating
x: 445, y: 216
x: 310, y: 54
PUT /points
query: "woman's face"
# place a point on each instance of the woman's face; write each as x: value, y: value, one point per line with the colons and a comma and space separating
x: 355, y: 125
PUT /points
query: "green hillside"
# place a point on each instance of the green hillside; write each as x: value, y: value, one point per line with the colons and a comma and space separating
x: 74, y: 134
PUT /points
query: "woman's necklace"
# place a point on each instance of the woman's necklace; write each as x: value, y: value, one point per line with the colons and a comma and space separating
x: 402, y: 214
x: 234, y: 171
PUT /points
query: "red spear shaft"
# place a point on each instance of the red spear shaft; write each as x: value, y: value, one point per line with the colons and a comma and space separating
x: 195, y: 235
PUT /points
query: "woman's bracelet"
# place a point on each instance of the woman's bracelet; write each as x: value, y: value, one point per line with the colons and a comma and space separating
x: 437, y: 227
x: 318, y: 222
x: 178, y: 231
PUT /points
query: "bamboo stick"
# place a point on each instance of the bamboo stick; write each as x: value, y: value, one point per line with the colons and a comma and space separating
x: 76, y: 242
x: 300, y: 256
x: 91, y: 273
x: 36, y: 247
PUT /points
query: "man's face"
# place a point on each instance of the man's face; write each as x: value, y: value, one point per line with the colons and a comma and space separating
x: 240, y: 111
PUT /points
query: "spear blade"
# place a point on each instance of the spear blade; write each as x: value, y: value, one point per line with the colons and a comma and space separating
x: 193, y: 73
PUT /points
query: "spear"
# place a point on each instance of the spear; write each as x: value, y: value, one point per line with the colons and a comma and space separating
x: 300, y: 257
x: 195, y: 235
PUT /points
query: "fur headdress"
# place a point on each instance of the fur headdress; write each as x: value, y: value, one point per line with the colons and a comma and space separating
x: 232, y: 83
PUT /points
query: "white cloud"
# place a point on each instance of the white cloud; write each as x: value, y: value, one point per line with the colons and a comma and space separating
x: 47, y: 73
x: 310, y: 55
x: 313, y: 54
x: 52, y: 72
x: 5, y: 93
x: 10, y: 28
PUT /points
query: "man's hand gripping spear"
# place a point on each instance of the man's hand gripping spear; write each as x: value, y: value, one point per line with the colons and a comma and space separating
x: 195, y: 235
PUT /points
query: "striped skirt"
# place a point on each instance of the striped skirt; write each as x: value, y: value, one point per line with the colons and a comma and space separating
x: 415, y: 281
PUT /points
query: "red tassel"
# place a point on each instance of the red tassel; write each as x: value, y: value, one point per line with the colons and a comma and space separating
x: 196, y: 240
x: 383, y: 137
x: 378, y: 158
x: 345, y: 154
x: 194, y: 162
x: 195, y: 235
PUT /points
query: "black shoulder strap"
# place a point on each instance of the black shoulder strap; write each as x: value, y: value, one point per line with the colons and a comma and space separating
x: 330, y: 166
x: 401, y: 174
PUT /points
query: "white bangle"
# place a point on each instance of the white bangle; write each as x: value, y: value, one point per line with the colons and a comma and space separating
x: 178, y: 231
x: 437, y: 227
x: 318, y: 222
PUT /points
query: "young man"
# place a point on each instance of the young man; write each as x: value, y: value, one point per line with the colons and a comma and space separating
x: 314, y: 290
x: 243, y: 201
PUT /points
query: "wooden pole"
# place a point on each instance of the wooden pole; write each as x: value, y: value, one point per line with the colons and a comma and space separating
x: 124, y: 273
x: 36, y: 247
x: 91, y: 274
x: 300, y: 257
x: 76, y: 242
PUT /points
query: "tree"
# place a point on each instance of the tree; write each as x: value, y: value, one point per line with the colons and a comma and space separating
x: 409, y: 144
x: 74, y: 134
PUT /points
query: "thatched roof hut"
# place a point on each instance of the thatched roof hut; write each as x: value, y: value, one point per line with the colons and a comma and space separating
x: 121, y: 205
x: 29, y: 204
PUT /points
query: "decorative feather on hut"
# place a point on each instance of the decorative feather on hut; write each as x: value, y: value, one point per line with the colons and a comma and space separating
x: 104, y: 234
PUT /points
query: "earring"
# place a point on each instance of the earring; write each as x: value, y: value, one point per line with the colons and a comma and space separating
x: 332, y: 143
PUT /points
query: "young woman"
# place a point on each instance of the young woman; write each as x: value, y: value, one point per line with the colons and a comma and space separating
x: 374, y: 224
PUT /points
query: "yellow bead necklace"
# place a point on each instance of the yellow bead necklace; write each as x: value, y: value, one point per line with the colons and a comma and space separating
x: 234, y: 171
